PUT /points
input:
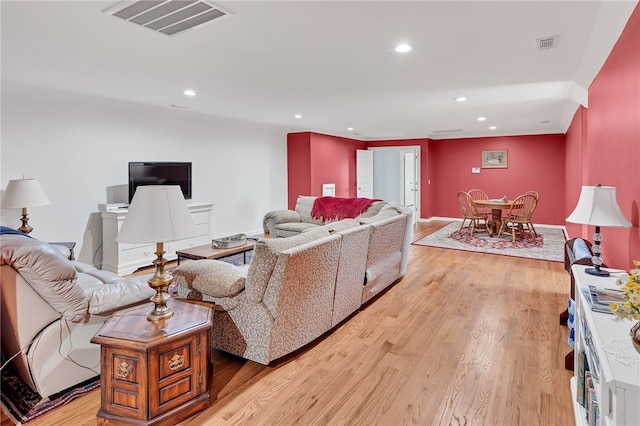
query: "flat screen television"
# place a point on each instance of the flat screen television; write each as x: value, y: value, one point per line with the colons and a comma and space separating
x: 160, y: 173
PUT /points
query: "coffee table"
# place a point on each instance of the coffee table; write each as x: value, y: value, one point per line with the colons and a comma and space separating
x: 207, y: 252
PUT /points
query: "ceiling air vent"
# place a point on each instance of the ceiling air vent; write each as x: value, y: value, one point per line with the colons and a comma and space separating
x: 168, y: 17
x: 547, y: 43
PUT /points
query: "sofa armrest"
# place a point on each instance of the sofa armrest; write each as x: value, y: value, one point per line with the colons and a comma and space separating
x: 119, y: 294
x: 274, y: 217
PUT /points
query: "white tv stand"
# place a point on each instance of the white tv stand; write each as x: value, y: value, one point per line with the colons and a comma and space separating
x: 124, y: 259
x: 618, y: 388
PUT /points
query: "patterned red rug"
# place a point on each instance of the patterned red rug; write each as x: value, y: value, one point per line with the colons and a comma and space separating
x: 22, y: 405
x: 548, y: 245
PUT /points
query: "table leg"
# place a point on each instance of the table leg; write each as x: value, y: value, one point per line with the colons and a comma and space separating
x: 496, y: 220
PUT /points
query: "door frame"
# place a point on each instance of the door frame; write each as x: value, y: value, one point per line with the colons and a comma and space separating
x: 415, y: 150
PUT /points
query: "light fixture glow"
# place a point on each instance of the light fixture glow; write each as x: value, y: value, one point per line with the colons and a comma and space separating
x: 190, y: 92
x: 482, y: 118
x: 461, y: 99
x: 403, y: 48
x: 297, y: 116
x: 492, y: 127
x: 350, y: 129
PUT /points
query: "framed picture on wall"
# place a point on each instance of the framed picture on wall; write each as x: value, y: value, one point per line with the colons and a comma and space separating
x: 496, y: 159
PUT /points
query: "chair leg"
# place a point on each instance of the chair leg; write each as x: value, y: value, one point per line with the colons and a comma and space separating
x: 501, y: 228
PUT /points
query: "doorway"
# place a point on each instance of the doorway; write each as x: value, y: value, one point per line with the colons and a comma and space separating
x: 391, y: 174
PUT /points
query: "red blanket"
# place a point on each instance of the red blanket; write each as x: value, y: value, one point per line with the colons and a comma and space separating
x: 333, y: 208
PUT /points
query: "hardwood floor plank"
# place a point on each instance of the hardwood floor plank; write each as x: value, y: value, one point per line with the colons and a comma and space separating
x: 464, y: 338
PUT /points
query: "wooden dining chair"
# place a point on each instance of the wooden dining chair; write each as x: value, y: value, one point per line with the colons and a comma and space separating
x: 479, y: 194
x: 477, y: 221
x: 534, y: 193
x: 518, y: 220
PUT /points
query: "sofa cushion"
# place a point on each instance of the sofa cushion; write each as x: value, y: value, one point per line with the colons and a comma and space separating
x: 378, y: 217
x: 294, y: 228
x: 212, y: 277
x: 265, y: 256
x: 341, y: 225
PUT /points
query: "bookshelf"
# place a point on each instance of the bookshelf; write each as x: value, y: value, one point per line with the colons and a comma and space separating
x: 611, y: 358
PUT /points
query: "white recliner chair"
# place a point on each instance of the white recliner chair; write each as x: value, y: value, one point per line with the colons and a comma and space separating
x: 51, y: 307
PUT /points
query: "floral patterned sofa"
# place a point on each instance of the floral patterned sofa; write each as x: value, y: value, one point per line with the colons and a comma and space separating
x: 297, y: 288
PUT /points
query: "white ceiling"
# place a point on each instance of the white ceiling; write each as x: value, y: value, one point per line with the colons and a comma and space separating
x: 331, y: 61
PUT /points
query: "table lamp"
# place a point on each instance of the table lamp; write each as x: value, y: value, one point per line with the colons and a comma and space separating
x: 157, y: 214
x: 598, y: 206
x: 23, y: 193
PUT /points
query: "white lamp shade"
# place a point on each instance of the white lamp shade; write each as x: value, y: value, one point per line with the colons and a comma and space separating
x: 157, y: 214
x: 21, y: 193
x: 598, y: 206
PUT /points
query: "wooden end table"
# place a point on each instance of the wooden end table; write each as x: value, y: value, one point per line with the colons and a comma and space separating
x: 154, y: 373
x: 208, y: 252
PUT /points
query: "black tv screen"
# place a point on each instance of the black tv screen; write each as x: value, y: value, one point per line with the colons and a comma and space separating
x: 160, y: 173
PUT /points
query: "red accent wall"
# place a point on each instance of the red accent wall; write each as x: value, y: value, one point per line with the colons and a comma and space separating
x: 315, y: 159
x: 575, y: 173
x: 611, y: 147
x: 298, y: 167
x: 534, y: 163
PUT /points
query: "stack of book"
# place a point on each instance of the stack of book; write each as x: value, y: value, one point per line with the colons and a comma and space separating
x: 586, y: 391
x: 599, y: 299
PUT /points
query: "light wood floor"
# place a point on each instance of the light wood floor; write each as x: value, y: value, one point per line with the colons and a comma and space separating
x: 463, y: 339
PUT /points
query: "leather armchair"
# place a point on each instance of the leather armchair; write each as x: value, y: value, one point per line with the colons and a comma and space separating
x: 51, y: 307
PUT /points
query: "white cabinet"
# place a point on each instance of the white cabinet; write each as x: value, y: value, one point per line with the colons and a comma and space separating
x: 124, y: 259
x: 610, y: 355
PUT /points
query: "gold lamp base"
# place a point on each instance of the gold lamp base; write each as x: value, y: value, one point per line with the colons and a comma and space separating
x: 160, y: 282
x: 25, y: 228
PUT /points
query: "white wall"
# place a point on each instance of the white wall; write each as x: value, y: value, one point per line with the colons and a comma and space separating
x: 78, y: 147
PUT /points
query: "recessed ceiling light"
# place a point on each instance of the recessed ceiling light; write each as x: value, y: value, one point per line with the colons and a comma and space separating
x: 350, y: 129
x: 297, y: 116
x: 492, y: 127
x: 190, y: 92
x: 482, y: 118
x: 461, y: 99
x: 403, y: 48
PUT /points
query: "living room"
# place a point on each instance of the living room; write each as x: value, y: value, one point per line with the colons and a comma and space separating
x: 76, y: 144
x: 79, y: 145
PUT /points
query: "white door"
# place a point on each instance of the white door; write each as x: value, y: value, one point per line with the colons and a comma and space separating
x: 409, y: 179
x: 364, y: 173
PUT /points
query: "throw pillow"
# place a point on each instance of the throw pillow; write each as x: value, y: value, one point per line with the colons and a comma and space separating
x: 580, y: 250
x: 212, y: 277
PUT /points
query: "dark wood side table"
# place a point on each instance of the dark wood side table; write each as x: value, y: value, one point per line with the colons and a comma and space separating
x: 154, y: 373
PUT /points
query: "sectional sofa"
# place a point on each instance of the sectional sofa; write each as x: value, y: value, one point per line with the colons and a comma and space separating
x: 297, y: 288
x: 286, y: 223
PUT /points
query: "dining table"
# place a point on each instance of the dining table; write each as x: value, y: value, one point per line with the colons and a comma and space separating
x: 496, y: 206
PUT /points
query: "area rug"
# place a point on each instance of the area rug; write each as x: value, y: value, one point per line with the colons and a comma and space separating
x: 21, y: 404
x: 548, y: 245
